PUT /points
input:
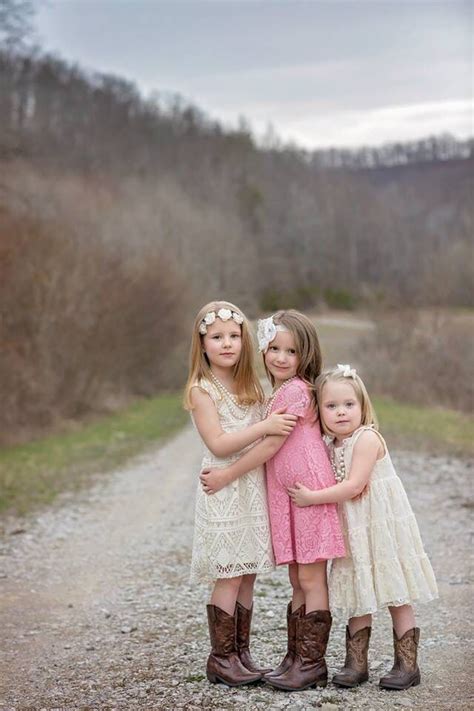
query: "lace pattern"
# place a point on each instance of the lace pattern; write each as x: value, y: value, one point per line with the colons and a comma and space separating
x: 231, y: 528
x: 386, y: 563
x: 311, y: 533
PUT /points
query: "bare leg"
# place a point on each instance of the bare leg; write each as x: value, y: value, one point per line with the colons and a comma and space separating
x: 298, y: 594
x: 358, y: 623
x: 403, y: 619
x: 245, y: 595
x: 225, y: 593
x: 313, y: 581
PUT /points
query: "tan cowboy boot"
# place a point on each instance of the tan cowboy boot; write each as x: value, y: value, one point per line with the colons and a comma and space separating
x: 309, y: 667
x: 355, y: 669
x: 223, y: 663
x: 405, y: 671
x: 242, y: 631
x: 289, y: 657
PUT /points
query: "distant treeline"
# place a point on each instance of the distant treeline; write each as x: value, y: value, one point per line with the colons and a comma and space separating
x: 282, y: 220
x: 61, y: 105
x: 120, y: 215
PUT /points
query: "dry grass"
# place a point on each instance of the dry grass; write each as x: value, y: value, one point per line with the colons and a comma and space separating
x: 423, y: 357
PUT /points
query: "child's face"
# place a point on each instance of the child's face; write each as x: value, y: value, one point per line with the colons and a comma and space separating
x: 281, y: 358
x: 223, y: 343
x: 340, y: 409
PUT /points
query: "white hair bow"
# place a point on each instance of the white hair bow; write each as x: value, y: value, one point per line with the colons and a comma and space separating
x: 266, y: 332
x: 346, y: 370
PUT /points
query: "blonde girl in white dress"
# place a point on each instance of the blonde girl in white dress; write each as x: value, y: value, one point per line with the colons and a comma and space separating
x: 232, y: 535
x: 386, y: 565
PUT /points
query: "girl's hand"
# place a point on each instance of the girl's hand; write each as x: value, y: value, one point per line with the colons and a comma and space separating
x: 280, y: 423
x: 213, y: 480
x: 300, y: 495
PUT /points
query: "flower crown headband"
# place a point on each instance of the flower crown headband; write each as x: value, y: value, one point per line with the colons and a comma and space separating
x: 267, y: 329
x: 346, y: 370
x: 223, y: 314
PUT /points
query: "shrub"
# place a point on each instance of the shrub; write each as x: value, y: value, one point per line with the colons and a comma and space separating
x: 302, y: 297
x: 340, y: 299
x: 84, y: 323
x: 423, y: 357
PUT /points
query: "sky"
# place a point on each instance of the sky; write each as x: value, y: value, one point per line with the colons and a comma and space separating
x: 320, y: 72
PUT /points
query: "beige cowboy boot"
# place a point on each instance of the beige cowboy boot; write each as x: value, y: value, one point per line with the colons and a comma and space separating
x: 405, y: 671
x: 355, y: 670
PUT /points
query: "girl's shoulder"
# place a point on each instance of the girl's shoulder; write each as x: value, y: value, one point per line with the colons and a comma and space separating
x: 295, y: 385
x: 208, y: 387
x: 368, y: 434
x: 295, y: 396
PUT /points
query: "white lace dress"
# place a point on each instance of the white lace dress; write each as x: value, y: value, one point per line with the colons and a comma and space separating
x: 231, y: 528
x: 386, y: 563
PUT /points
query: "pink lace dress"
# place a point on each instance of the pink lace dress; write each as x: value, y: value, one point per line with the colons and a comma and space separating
x: 311, y: 533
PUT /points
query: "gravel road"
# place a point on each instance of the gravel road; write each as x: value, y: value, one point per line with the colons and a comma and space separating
x: 96, y: 611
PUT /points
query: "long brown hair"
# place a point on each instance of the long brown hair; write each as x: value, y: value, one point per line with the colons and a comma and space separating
x: 247, y: 384
x: 308, y: 350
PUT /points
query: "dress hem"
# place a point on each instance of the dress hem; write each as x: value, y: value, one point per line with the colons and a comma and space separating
x: 350, y: 612
x: 206, y: 579
x: 308, y: 562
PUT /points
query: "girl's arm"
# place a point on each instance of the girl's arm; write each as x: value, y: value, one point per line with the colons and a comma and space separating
x: 215, y: 479
x: 222, y: 443
x: 367, y: 450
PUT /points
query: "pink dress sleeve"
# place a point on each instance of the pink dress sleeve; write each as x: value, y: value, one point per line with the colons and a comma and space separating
x: 295, y: 398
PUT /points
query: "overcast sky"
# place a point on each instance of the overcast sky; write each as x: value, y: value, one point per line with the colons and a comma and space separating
x: 323, y: 72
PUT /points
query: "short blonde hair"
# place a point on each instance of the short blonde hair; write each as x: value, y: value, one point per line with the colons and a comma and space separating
x: 249, y: 390
x: 307, y: 346
x: 336, y: 375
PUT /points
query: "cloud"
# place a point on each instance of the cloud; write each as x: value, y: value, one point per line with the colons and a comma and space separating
x: 384, y: 124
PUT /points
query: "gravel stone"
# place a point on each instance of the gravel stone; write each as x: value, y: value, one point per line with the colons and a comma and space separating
x: 121, y: 552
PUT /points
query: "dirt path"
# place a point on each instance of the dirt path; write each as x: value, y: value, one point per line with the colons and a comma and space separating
x: 96, y: 612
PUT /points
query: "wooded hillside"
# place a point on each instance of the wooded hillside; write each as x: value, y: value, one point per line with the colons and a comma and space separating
x: 119, y: 216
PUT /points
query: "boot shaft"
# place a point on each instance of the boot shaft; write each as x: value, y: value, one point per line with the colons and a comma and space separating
x: 221, y: 631
x: 243, y: 621
x: 312, y: 634
x: 291, y: 622
x: 357, y: 647
x: 406, y: 649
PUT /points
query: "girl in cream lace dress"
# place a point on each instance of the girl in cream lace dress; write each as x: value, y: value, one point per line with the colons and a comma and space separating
x: 232, y: 533
x: 386, y: 565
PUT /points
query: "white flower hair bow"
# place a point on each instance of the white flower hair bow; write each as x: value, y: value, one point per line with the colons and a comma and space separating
x: 346, y: 370
x: 266, y: 332
x: 223, y: 314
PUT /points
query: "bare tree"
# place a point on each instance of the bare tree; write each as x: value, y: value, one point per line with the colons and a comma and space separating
x: 16, y: 22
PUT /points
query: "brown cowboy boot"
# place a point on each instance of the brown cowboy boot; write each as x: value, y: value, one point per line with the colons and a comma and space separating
x: 355, y: 669
x: 223, y: 663
x: 289, y: 657
x: 242, y: 631
x: 309, y: 668
x: 405, y: 671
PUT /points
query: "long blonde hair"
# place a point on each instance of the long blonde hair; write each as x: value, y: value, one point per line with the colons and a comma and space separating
x: 307, y: 346
x: 336, y: 375
x: 247, y: 384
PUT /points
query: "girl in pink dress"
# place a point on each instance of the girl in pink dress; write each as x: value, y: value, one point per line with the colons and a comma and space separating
x: 303, y: 538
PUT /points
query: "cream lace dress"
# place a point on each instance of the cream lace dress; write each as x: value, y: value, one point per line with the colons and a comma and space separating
x: 231, y: 529
x: 386, y: 563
